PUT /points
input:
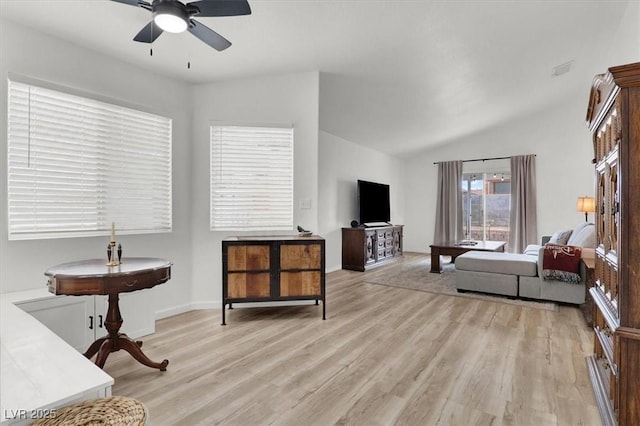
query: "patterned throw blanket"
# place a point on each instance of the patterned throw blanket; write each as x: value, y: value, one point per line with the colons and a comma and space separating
x: 561, y: 263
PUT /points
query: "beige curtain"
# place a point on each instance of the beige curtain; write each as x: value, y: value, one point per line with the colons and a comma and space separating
x: 449, y: 202
x: 523, y: 228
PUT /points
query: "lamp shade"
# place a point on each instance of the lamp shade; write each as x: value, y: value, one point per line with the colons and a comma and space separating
x: 586, y: 205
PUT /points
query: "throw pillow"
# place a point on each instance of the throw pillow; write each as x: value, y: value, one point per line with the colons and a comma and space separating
x: 585, y: 237
x: 561, y: 237
x: 561, y: 263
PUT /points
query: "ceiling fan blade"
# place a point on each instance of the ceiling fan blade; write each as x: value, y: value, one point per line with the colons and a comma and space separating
x: 140, y: 3
x: 220, y: 7
x: 149, y: 33
x: 209, y: 36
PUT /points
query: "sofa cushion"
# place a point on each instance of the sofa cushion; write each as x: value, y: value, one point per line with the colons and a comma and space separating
x: 580, y: 226
x: 532, y: 249
x: 583, y: 236
x: 500, y: 263
x: 561, y: 237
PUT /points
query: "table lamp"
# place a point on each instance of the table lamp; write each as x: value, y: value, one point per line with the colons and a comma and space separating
x: 586, y: 205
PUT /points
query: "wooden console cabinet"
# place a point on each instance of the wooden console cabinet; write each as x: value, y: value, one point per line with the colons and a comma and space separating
x: 262, y: 269
x: 613, y: 117
x: 363, y: 248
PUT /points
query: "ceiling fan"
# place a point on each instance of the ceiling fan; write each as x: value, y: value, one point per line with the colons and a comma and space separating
x: 175, y: 17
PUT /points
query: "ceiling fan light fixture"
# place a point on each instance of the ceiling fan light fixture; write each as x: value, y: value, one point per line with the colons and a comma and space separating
x: 170, y: 16
x: 174, y: 16
x: 170, y: 23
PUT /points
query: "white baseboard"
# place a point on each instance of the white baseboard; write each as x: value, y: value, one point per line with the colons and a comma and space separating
x: 333, y: 268
x: 175, y: 310
x: 142, y: 332
x: 210, y: 304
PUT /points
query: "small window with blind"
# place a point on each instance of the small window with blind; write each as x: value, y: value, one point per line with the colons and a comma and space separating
x: 251, y: 178
x: 76, y: 165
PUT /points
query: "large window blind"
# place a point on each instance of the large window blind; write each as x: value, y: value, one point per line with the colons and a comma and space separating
x: 251, y: 178
x: 75, y: 165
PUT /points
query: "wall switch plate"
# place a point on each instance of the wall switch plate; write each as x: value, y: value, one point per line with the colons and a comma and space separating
x: 305, y: 203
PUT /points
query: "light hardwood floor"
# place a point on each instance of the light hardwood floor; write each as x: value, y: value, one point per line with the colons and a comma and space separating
x: 383, y: 356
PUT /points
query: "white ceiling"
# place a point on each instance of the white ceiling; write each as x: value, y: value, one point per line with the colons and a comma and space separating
x: 396, y: 75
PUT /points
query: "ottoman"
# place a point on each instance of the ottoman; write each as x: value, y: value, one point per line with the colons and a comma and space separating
x: 490, y: 272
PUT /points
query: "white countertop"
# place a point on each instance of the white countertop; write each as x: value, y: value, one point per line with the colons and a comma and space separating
x: 39, y: 370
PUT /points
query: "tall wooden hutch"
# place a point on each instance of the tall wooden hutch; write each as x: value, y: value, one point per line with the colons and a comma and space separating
x: 613, y: 117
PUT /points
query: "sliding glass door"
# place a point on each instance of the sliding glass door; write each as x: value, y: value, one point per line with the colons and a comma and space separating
x: 486, y: 201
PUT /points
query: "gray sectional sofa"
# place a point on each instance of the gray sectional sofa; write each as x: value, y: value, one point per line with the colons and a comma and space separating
x: 521, y: 275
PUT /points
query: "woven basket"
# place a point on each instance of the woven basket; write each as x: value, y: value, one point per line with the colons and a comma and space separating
x: 111, y: 411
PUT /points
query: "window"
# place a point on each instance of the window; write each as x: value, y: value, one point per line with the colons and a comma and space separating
x: 486, y: 204
x: 251, y: 178
x: 77, y: 165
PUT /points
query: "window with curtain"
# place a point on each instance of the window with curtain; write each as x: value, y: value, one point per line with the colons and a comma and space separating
x: 76, y: 165
x: 251, y: 178
x: 486, y: 205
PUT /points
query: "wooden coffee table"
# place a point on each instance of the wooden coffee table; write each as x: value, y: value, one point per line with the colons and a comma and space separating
x: 453, y: 249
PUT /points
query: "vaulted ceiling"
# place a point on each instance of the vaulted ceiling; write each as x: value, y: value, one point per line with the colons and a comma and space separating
x: 396, y: 75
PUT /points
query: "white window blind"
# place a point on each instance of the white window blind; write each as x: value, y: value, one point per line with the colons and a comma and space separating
x: 251, y: 178
x: 75, y: 165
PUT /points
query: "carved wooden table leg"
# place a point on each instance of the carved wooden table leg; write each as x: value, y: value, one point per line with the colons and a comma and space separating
x: 116, y: 340
x: 135, y: 351
x: 105, y: 349
x: 95, y: 347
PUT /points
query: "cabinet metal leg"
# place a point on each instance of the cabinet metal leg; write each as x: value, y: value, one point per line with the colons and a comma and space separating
x: 223, y: 318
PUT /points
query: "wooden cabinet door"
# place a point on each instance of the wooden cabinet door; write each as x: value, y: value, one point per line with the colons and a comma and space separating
x: 612, y: 206
x: 300, y: 269
x: 370, y: 247
x: 300, y: 256
x: 242, y: 285
x: 601, y: 206
x: 248, y: 257
x: 303, y: 283
x: 248, y: 271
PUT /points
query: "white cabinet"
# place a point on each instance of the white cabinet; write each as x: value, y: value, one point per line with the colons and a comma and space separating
x: 71, y: 318
x: 79, y: 320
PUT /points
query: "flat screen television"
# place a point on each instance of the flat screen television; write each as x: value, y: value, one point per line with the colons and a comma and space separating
x: 373, y: 201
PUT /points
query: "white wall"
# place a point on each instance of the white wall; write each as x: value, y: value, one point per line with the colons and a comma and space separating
x: 342, y: 163
x: 625, y: 46
x: 22, y: 263
x: 286, y: 99
x: 562, y: 144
